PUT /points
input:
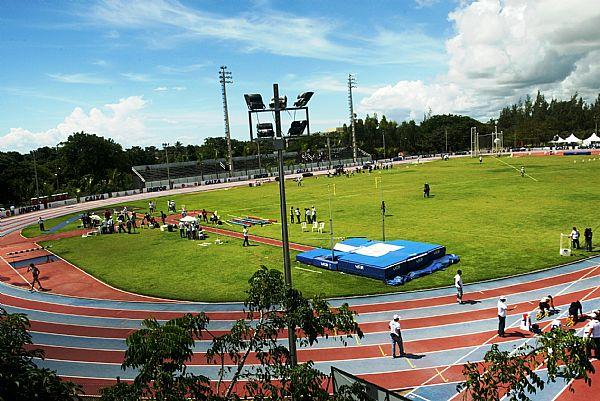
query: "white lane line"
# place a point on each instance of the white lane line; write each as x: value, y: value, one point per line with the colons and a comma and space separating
x: 462, y: 358
x: 307, y: 270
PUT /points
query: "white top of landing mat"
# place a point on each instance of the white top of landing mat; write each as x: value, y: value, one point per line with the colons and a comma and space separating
x: 375, y: 250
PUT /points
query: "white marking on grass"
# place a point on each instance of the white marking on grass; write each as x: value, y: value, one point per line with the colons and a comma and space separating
x: 510, y: 165
x: 308, y: 270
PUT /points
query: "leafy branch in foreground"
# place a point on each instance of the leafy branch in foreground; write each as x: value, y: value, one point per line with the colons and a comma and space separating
x: 20, y: 378
x: 513, y: 374
x: 251, y: 351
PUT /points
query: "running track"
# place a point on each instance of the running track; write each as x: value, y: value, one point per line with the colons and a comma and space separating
x: 81, y: 324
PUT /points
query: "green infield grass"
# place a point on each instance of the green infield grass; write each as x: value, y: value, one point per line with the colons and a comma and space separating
x: 498, y: 222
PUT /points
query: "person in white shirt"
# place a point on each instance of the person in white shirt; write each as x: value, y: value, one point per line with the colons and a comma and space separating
x: 396, y: 337
x: 245, y: 232
x: 592, y: 331
x: 575, y: 238
x: 459, y: 286
x: 502, y: 309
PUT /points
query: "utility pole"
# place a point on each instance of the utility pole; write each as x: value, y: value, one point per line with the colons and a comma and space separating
x: 225, y: 78
x: 166, y: 145
x: 37, y: 187
x: 329, y: 148
x: 352, y: 84
x: 446, y: 132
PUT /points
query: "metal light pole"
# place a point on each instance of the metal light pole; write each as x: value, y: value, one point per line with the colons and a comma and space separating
x: 383, y: 133
x: 37, y: 186
x: 166, y: 145
x: 352, y: 84
x: 287, y: 270
x: 225, y: 78
x: 329, y: 149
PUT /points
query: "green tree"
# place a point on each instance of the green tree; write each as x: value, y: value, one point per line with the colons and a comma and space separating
x: 160, y: 353
x: 513, y: 373
x: 20, y: 378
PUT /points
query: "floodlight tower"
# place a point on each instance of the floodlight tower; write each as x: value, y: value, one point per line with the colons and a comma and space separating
x: 352, y: 84
x: 225, y: 78
x: 266, y: 131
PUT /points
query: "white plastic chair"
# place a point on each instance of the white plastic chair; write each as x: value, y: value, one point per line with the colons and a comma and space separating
x: 321, y: 227
x: 315, y: 226
x: 303, y: 226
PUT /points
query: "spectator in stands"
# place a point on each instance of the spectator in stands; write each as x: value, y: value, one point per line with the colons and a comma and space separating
x: 575, y: 310
x: 587, y: 234
x: 396, y: 337
x: 575, y: 238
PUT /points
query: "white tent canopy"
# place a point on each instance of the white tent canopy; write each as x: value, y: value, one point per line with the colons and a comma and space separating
x: 559, y: 140
x: 188, y: 219
x: 593, y: 138
x: 572, y: 139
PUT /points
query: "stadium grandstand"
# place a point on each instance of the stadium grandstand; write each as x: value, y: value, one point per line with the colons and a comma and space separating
x: 206, y: 171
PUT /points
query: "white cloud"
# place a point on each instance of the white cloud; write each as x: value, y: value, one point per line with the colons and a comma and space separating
x: 179, y: 88
x: 503, y: 50
x: 121, y: 121
x: 174, y: 88
x: 135, y: 77
x: 166, y: 22
x: 183, y: 69
x: 426, y: 3
x: 101, y: 63
x: 79, y: 78
x: 161, y: 89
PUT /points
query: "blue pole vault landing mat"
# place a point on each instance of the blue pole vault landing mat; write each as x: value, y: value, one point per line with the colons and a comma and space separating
x: 375, y: 259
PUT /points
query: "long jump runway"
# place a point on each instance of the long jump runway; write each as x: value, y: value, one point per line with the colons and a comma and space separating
x: 82, y: 323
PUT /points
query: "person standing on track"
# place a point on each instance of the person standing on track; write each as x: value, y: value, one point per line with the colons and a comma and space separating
x: 502, y: 309
x: 396, y: 337
x: 35, y: 272
x: 459, y: 286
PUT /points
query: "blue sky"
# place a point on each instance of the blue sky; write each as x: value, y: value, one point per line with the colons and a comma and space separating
x: 146, y: 72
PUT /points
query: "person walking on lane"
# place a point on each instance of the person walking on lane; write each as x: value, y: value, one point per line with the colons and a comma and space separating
x: 396, y: 337
x: 35, y: 272
x: 459, y: 286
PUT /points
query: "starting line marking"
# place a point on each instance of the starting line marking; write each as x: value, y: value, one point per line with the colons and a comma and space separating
x: 410, y: 363
x: 381, y: 349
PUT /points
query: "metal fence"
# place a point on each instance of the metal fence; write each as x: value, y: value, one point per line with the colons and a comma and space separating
x: 375, y: 393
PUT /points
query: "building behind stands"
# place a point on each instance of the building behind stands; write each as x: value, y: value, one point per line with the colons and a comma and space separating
x: 209, y: 171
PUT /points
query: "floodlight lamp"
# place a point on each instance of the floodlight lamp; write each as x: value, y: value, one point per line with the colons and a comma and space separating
x: 282, y: 103
x: 254, y: 101
x: 303, y: 99
x: 297, y: 128
x: 265, y: 130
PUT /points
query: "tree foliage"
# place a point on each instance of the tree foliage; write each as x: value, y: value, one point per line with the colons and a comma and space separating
x: 20, y: 378
x: 514, y: 373
x: 160, y: 352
